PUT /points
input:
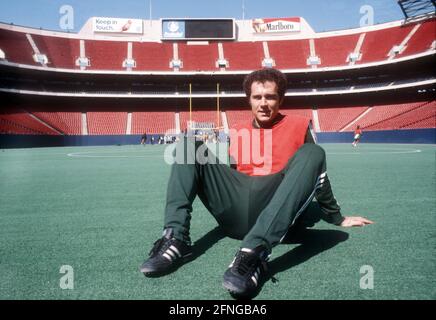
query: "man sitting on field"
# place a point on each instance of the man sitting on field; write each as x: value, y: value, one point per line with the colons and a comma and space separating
x: 278, y: 170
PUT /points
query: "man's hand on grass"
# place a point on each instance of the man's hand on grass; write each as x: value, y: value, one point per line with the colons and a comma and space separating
x: 355, y: 222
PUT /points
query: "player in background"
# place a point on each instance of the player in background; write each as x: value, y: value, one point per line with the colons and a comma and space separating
x: 144, y: 139
x: 357, y: 136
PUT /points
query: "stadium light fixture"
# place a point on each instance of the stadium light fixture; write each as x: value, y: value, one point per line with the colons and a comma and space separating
x: 222, y: 63
x: 176, y: 63
x: 83, y: 62
x: 129, y: 63
x: 268, y: 63
x: 313, y: 60
x: 397, y: 49
x: 40, y: 58
x: 354, y: 56
x: 2, y: 54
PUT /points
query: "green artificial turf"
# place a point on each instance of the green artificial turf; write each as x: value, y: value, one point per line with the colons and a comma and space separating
x: 99, y: 210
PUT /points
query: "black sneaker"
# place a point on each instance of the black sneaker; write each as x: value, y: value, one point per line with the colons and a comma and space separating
x: 247, y: 271
x: 166, y: 255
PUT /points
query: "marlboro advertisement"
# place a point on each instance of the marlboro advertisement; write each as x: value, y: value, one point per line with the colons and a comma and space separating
x: 276, y: 25
x: 117, y: 25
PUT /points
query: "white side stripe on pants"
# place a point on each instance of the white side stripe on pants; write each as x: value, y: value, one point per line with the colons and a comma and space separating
x: 319, y: 183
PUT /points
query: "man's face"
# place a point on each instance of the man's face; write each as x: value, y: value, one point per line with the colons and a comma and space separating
x: 265, y: 102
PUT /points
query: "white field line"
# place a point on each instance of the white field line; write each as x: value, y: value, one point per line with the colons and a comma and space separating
x: 96, y: 154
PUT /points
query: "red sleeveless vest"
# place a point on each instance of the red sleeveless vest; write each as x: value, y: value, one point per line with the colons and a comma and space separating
x: 260, y: 152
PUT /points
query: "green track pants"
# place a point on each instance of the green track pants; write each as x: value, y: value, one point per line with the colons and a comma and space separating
x: 257, y: 209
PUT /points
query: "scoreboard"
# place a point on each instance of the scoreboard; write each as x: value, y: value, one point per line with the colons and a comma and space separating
x: 198, y: 29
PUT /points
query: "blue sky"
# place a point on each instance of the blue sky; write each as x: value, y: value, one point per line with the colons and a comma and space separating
x: 322, y: 15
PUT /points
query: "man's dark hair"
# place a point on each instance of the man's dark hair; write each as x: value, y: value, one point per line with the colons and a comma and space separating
x: 264, y: 75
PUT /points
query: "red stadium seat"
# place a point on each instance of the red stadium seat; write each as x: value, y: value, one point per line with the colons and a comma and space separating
x: 152, y: 122
x: 109, y: 123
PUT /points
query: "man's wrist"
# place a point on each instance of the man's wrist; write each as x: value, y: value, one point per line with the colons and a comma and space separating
x: 339, y: 222
x: 335, y: 218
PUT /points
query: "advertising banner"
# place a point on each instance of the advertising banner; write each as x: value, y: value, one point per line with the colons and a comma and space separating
x: 276, y: 25
x: 117, y: 25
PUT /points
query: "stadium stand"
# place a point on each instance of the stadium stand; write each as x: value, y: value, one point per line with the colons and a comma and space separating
x: 106, y: 55
x: 334, y: 119
x: 378, y: 44
x: 107, y: 123
x: 243, y: 55
x: 200, y: 57
x: 16, y: 47
x: 159, y: 83
x: 152, y: 56
x: 378, y: 115
x: 61, y: 52
x: 68, y: 123
x: 23, y: 123
x: 422, y: 40
x: 152, y: 122
x: 425, y: 118
x: 395, y: 117
x: 334, y: 51
x: 9, y: 127
x: 289, y: 54
x: 331, y: 119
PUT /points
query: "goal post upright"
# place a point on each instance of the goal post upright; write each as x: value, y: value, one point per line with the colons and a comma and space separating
x: 218, y: 105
